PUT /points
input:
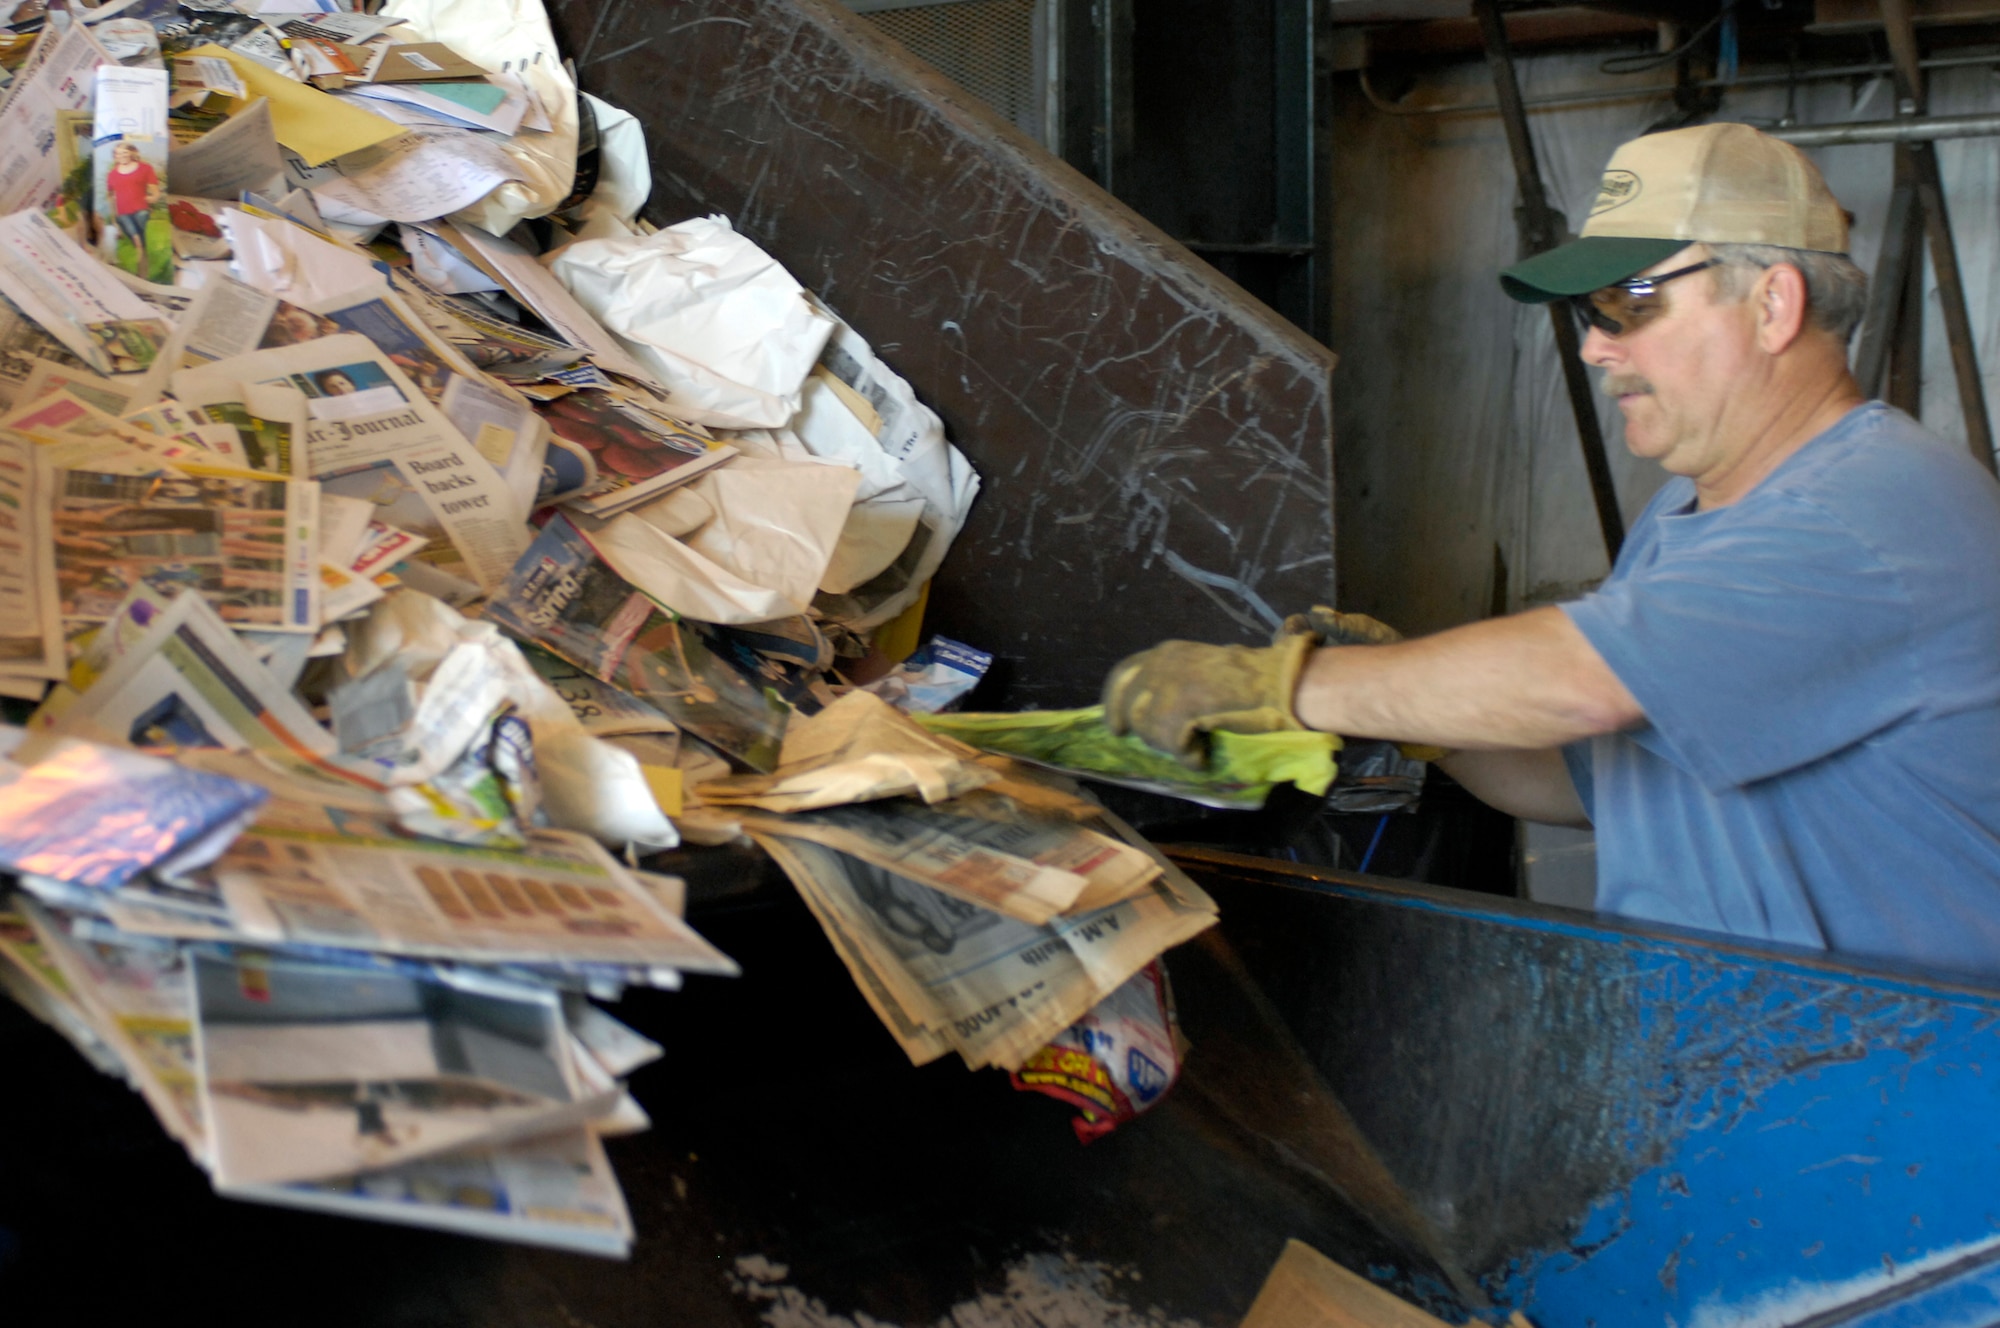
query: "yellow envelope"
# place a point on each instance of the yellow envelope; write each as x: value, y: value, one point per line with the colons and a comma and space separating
x: 304, y: 119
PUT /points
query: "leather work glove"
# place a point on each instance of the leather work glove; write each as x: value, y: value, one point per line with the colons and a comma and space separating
x: 1175, y: 693
x: 1329, y: 627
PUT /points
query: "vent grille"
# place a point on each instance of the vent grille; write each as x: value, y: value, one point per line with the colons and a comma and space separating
x: 986, y: 47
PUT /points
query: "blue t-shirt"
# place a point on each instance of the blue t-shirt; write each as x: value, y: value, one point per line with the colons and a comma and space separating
x: 1819, y: 664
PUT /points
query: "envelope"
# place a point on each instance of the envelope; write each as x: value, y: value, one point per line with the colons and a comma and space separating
x: 306, y: 120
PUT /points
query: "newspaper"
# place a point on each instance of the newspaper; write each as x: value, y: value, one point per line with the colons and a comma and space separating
x: 557, y: 1191
x: 298, y: 877
x: 46, y: 377
x: 72, y: 432
x: 56, y: 78
x: 503, y: 428
x: 500, y: 348
x: 426, y: 358
x: 24, y: 346
x: 227, y: 318
x: 373, y: 435
x: 243, y: 541
x: 603, y: 710
x: 54, y: 281
x: 313, y: 1070
x: 946, y: 975
x: 37, y: 985
x: 239, y: 155
x: 981, y: 847
x: 138, y: 999
x: 535, y: 286
x: 855, y: 750
x: 639, y: 455
x: 31, y: 638
x: 891, y: 836
x: 187, y: 681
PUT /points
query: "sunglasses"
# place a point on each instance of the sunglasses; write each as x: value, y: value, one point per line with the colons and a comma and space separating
x: 1629, y: 305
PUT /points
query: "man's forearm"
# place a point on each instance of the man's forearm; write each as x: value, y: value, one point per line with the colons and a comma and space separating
x: 1531, y: 680
x: 1533, y: 785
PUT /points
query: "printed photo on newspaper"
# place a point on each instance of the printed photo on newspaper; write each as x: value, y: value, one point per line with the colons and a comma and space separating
x: 371, y: 434
x: 243, y: 542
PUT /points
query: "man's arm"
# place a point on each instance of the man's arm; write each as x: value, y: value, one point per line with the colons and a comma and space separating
x: 1533, y: 785
x: 1529, y: 681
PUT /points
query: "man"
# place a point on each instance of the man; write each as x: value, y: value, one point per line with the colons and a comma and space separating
x: 1781, y: 711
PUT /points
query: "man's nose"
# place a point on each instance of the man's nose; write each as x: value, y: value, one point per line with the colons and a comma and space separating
x: 1599, y: 348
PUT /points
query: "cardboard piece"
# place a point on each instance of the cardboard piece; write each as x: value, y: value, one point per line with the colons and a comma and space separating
x: 422, y: 62
x: 1305, y: 1289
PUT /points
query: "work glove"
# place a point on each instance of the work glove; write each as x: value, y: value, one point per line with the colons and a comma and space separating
x: 1328, y: 627
x: 1180, y: 691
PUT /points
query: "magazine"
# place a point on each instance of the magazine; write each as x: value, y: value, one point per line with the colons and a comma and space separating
x: 639, y: 455
x: 97, y: 816
x: 563, y: 597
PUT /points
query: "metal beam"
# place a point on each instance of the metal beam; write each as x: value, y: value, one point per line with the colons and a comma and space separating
x: 1542, y: 228
x: 1902, y: 37
x: 1901, y: 249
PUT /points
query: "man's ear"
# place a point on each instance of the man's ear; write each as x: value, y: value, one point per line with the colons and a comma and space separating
x: 1780, y: 301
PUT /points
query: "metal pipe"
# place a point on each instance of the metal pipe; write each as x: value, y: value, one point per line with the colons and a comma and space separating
x: 1542, y: 228
x: 1571, y: 99
x: 1910, y: 130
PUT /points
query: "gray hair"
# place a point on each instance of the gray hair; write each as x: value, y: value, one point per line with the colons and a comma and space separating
x: 1836, y: 290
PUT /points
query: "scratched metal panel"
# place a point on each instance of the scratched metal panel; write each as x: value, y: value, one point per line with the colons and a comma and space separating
x: 1156, y: 446
x: 1608, y: 1125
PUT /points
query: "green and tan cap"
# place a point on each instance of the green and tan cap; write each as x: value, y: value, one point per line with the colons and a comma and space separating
x: 1714, y: 183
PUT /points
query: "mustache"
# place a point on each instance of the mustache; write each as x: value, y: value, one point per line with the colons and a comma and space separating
x: 1625, y: 385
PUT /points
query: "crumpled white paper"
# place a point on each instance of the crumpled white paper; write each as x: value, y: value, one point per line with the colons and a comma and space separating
x: 727, y: 330
x: 511, y: 37
x: 586, y: 783
x: 916, y: 488
x: 754, y: 539
x: 292, y: 263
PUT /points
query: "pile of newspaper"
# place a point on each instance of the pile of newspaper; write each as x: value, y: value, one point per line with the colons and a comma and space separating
x: 971, y: 898
x: 333, y: 1016
x: 398, y: 538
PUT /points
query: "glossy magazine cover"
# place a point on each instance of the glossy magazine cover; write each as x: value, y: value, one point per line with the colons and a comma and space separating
x: 97, y: 816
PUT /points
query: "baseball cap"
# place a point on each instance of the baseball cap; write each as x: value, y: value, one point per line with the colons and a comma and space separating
x: 1714, y: 183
